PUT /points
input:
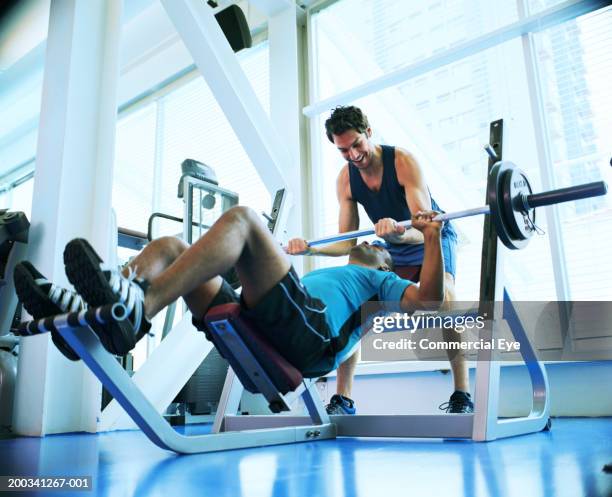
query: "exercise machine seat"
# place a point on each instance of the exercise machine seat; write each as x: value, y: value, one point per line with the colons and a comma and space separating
x: 285, y: 377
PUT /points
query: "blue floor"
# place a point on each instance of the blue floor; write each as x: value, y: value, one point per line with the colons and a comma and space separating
x: 564, y: 462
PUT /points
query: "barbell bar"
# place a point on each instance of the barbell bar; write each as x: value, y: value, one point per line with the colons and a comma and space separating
x: 446, y: 216
x: 510, y: 202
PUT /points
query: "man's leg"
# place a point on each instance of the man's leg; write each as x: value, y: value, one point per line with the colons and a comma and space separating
x: 157, y: 256
x: 459, y: 401
x: 238, y: 239
x: 346, y: 373
x: 341, y: 402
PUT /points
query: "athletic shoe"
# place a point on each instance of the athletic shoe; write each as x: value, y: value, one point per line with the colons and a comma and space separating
x: 100, y: 286
x: 42, y: 299
x: 459, y: 403
x: 340, y: 405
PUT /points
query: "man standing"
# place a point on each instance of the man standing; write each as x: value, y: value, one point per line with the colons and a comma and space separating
x: 389, y: 183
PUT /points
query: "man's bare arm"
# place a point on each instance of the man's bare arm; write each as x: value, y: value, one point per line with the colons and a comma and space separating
x: 411, y: 178
x: 348, y: 221
x: 429, y: 294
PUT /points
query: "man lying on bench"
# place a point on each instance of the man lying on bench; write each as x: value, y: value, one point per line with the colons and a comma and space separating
x: 309, y: 322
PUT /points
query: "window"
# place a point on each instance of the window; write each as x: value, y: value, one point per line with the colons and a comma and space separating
x: 369, y: 39
x: 153, y: 138
x: 134, y: 168
x: 185, y: 123
x: 443, y: 117
x: 182, y: 122
x: 447, y: 135
x: 575, y: 65
x: 195, y: 127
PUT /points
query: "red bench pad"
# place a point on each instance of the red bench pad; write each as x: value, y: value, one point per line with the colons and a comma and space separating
x: 282, y: 374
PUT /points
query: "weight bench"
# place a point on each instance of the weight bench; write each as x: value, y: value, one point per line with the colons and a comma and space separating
x: 482, y: 425
x: 260, y: 368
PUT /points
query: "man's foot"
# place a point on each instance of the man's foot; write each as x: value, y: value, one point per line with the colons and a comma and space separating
x: 42, y: 299
x: 459, y: 403
x: 101, y: 286
x: 340, y: 405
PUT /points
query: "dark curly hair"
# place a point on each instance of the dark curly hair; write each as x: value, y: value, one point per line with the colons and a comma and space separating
x: 343, y: 119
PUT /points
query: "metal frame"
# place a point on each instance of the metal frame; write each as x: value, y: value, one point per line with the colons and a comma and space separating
x: 233, y: 432
x: 487, y: 426
x: 218, y: 64
x: 189, y: 184
x: 106, y: 368
x: 483, y: 425
x: 8, y: 300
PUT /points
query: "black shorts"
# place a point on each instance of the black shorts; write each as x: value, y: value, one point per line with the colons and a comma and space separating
x: 293, y: 321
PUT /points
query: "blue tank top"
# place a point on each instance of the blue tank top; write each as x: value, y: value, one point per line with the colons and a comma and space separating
x: 390, y: 201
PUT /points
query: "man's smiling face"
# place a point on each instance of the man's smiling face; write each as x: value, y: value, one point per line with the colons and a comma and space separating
x: 355, y: 147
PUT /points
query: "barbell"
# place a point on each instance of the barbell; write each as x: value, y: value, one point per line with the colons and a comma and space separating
x: 510, y: 202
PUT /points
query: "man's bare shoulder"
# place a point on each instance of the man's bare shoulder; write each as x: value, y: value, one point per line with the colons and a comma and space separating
x: 343, y: 183
x: 343, y: 175
x: 404, y: 157
x: 406, y: 164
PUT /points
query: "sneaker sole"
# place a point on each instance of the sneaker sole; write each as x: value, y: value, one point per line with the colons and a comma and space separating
x: 83, y: 270
x: 338, y: 412
x: 466, y: 410
x: 39, y: 305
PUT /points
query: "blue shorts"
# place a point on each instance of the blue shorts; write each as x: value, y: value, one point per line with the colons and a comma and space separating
x: 412, y: 254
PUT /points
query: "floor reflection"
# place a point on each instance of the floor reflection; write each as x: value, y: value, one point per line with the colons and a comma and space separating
x: 565, y: 461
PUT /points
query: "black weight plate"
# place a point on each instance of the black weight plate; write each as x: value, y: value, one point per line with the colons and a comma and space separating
x: 495, y: 200
x: 520, y: 222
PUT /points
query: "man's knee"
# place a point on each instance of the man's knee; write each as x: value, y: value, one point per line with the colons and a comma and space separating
x: 170, y: 247
x: 242, y: 217
x: 242, y: 213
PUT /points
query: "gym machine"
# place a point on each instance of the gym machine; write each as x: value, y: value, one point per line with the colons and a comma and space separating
x: 257, y: 367
x: 14, y: 228
x: 510, y: 217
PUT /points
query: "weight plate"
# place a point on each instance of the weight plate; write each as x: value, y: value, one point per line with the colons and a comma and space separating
x: 520, y: 222
x: 506, y: 224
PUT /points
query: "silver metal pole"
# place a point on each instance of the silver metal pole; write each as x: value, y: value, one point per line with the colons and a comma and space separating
x: 447, y: 216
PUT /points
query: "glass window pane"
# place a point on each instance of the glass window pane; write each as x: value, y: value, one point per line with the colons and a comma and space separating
x: 368, y: 39
x: 185, y: 123
x: 575, y: 63
x: 443, y: 118
x: 195, y: 127
x: 535, y: 6
x: 134, y: 168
